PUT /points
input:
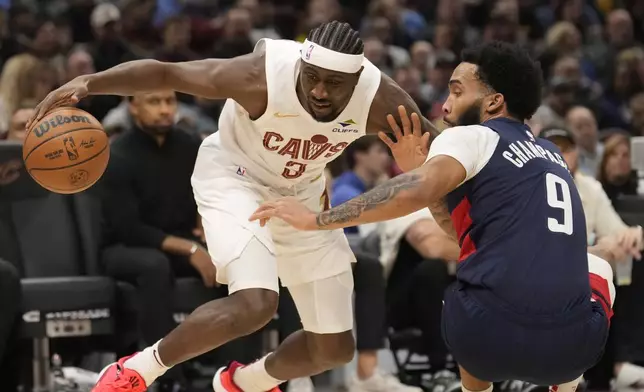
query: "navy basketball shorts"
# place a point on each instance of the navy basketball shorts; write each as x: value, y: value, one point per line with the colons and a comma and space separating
x: 494, y: 345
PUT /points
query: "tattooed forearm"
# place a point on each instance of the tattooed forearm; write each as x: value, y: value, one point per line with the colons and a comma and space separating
x: 381, y: 194
x: 441, y: 215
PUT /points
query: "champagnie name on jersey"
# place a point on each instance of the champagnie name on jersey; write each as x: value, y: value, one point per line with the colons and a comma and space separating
x: 519, y: 153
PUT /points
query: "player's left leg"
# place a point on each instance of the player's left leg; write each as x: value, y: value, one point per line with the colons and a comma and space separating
x: 603, y: 292
x: 326, y: 340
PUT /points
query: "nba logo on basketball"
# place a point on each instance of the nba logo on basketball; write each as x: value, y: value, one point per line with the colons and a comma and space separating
x: 307, y: 55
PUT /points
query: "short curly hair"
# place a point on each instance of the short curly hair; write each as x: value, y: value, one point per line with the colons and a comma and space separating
x: 508, y: 70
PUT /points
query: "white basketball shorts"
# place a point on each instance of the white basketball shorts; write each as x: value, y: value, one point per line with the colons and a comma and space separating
x: 315, y: 264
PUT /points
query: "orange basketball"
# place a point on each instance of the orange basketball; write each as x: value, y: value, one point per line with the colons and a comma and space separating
x: 66, y: 151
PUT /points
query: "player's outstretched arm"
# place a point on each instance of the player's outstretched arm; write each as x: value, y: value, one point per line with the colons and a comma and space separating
x: 397, y: 197
x: 241, y: 78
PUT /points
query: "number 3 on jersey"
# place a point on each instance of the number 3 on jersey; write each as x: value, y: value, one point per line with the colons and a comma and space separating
x: 559, y: 201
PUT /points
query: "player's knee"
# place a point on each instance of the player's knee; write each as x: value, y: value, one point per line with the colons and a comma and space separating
x: 331, y: 350
x: 256, y: 308
x: 599, y: 267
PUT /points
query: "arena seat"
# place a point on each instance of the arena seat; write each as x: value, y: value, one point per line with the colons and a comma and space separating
x: 631, y: 209
x: 61, y: 298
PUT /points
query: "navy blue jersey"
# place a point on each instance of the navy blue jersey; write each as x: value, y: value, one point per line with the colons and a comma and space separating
x: 521, y: 227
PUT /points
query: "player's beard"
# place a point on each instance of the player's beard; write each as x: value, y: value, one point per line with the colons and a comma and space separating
x: 472, y: 114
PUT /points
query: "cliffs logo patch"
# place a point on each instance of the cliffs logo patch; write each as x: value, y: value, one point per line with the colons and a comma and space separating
x: 347, y: 126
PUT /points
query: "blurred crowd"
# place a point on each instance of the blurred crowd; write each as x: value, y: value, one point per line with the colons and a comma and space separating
x: 592, y: 57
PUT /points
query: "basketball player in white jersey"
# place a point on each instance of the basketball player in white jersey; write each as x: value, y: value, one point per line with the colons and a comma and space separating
x: 291, y: 109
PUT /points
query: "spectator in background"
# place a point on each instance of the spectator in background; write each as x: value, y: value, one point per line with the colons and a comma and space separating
x: 415, y: 252
x: 636, y: 107
x: 23, y: 77
x: 19, y: 120
x: 410, y: 80
x: 375, y: 51
x: 367, y: 159
x: 587, y: 92
x: 627, y: 80
x: 80, y: 62
x: 261, y: 15
x: 581, y: 121
x: 381, y: 28
x: 560, y: 98
x: 421, y: 53
x: 615, y: 173
x: 176, y: 40
x: 438, y: 73
x: 108, y: 49
x: 154, y: 230
x: 601, y: 218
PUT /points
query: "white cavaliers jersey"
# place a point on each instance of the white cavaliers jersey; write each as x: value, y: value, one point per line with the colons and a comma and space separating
x: 286, y: 145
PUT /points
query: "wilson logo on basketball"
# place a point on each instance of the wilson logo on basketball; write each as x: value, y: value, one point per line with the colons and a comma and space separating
x: 57, y: 121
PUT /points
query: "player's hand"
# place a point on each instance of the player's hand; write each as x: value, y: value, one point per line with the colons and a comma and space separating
x: 411, y: 146
x: 66, y: 95
x: 202, y: 262
x: 288, y: 209
x: 632, y: 241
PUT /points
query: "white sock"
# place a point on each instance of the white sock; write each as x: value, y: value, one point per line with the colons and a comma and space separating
x: 568, y: 386
x: 489, y: 389
x: 255, y: 378
x: 148, y: 364
x: 628, y: 375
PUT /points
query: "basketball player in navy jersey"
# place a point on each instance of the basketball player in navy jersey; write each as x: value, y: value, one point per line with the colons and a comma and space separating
x: 530, y: 303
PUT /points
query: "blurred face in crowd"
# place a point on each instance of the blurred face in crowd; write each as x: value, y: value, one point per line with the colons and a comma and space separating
x: 381, y: 28
x: 619, y: 28
x: 567, y: 68
x: 408, y: 79
x: 109, y: 32
x: 46, y: 40
x: 444, y: 37
x: 375, y: 161
x: 637, y: 114
x: 374, y: 51
x: 238, y: 23
x: 466, y: 93
x: 323, y: 11
x: 572, y: 10
x: 154, y: 112
x: 438, y: 76
x: 618, y: 163
x: 18, y: 123
x: 176, y: 34
x: 420, y: 52
x: 79, y: 63
x: 449, y: 11
x: 569, y: 152
x: 325, y: 93
x: 583, y: 125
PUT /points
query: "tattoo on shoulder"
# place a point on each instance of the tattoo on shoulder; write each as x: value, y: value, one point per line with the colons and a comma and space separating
x: 381, y: 194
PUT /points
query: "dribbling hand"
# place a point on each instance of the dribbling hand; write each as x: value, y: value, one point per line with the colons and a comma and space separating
x: 66, y: 95
x: 288, y: 209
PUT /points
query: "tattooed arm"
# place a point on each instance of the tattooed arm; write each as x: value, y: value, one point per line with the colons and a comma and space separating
x: 397, y: 197
x: 441, y: 215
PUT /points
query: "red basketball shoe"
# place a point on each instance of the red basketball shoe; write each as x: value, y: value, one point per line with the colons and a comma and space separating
x: 223, y: 381
x: 117, y: 378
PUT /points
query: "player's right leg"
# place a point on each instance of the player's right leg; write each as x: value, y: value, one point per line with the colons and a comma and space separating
x: 243, y: 254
